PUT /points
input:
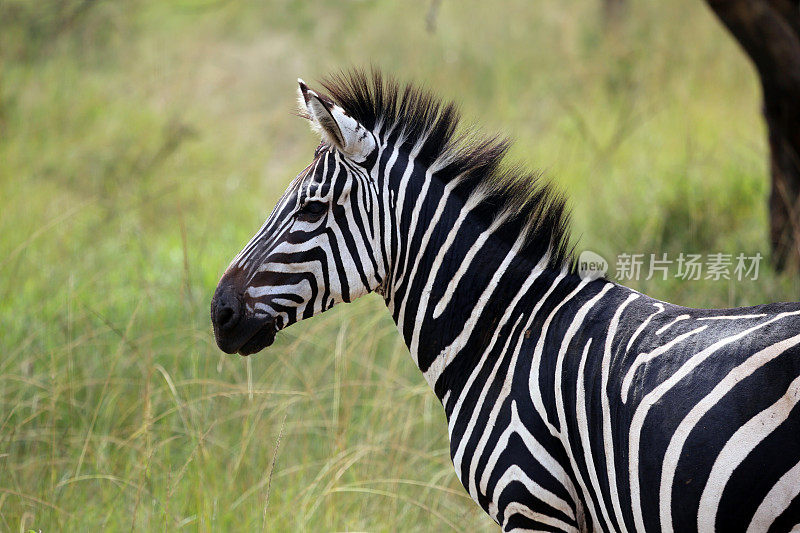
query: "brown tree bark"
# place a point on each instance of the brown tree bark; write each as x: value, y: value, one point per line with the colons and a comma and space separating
x: 769, y: 31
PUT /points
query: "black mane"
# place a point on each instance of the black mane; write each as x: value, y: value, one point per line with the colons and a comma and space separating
x: 415, y: 114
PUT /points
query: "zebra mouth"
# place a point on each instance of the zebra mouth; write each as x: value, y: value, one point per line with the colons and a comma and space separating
x: 263, y: 337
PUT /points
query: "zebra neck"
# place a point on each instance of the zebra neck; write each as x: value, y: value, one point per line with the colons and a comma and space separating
x: 456, y: 288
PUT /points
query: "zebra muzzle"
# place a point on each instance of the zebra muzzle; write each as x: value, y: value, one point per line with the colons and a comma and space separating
x: 234, y: 331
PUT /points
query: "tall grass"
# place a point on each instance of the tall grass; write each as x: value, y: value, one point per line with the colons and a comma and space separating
x: 142, y: 143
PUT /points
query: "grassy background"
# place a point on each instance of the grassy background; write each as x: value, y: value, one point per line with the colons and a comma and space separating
x: 143, y: 142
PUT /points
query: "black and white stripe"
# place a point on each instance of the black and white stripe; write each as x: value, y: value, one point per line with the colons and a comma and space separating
x: 572, y: 404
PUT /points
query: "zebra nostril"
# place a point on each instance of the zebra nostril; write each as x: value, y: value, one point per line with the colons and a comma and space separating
x: 224, y: 317
x: 226, y: 312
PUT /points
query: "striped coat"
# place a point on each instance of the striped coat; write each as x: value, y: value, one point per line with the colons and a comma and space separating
x: 573, y: 404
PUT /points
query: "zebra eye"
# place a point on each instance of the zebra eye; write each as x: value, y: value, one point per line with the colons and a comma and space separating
x: 312, y: 210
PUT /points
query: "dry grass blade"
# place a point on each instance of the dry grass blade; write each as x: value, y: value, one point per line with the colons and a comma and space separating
x: 271, y: 470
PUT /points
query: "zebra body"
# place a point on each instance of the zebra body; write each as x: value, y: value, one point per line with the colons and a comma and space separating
x: 572, y: 404
x: 635, y: 415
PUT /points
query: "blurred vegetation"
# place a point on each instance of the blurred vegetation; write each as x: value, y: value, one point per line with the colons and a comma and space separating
x: 143, y: 142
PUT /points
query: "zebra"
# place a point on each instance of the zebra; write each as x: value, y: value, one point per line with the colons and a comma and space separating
x: 573, y: 403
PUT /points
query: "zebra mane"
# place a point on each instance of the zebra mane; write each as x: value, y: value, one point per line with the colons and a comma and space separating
x: 422, y: 122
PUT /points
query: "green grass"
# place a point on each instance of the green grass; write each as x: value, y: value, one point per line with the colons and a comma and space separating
x: 143, y: 142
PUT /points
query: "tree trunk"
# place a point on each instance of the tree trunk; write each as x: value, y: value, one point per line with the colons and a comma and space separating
x: 769, y: 31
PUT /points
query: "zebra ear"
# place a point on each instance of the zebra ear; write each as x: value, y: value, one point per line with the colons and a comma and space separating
x: 334, y: 125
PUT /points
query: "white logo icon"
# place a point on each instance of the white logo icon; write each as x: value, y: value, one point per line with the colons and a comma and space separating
x: 591, y: 266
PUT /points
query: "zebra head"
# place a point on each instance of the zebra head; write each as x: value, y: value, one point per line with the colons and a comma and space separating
x: 316, y: 248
